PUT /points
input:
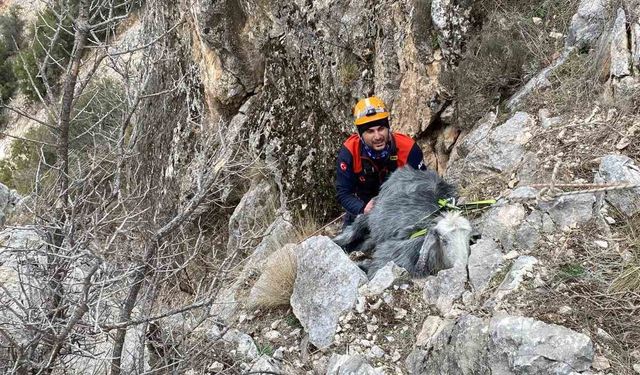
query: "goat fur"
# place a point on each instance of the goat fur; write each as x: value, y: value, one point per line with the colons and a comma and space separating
x: 408, y: 201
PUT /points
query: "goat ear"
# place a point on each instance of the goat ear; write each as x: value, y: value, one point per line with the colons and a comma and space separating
x: 428, y: 252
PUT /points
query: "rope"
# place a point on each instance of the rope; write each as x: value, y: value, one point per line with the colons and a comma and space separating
x: 326, y: 225
x: 549, y: 191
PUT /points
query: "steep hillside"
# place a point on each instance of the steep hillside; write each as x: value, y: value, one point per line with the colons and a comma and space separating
x: 177, y: 162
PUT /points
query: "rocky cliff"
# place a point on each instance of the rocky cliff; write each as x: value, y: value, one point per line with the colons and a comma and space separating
x: 165, y: 250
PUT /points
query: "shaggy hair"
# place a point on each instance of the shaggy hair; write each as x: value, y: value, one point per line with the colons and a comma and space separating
x: 408, y: 201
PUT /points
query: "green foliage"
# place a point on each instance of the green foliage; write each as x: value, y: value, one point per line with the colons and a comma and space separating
x: 10, y: 29
x: 10, y: 35
x: 265, y: 349
x: 292, y: 321
x: 19, y: 169
x: 506, y: 50
x: 96, y: 115
x: 47, y: 56
x: 571, y: 271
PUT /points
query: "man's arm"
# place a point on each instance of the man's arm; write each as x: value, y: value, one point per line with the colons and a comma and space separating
x: 415, y: 158
x: 346, y: 183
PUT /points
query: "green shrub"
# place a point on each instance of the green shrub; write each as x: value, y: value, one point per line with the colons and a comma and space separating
x: 506, y: 48
x: 10, y: 36
x: 95, y: 118
x: 27, y: 65
x: 18, y: 171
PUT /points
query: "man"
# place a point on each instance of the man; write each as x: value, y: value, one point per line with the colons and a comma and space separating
x: 366, y: 159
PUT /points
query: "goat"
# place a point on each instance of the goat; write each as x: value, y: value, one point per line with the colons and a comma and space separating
x: 408, y: 201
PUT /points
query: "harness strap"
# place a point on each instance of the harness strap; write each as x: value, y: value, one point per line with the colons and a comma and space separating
x: 450, y: 204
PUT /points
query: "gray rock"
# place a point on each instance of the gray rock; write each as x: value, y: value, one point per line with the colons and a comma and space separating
x: 459, y: 348
x: 350, y: 365
x: 539, y: 81
x: 480, y: 132
x: 242, y: 343
x: 616, y: 169
x: 546, y: 120
x: 501, y: 223
x: 503, y: 344
x: 529, y: 233
x: 451, y: 21
x: 523, y: 345
x: 279, y: 233
x: 386, y: 277
x: 247, y: 221
x: 265, y: 365
x: 620, y: 54
x: 8, y: 201
x: 326, y: 286
x: 485, y: 260
x: 499, y: 151
x: 635, y: 45
x: 522, y: 267
x: 432, y: 328
x: 443, y: 289
x: 569, y: 210
x: 587, y: 24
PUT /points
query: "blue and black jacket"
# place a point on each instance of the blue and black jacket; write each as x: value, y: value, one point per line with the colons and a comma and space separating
x: 359, y: 178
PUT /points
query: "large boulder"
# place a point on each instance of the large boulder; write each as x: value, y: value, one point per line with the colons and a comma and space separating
x: 504, y: 344
x: 487, y: 151
x: 587, y: 24
x: 326, y: 286
x: 522, y: 345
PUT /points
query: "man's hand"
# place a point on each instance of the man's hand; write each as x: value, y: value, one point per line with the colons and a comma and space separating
x: 369, y: 206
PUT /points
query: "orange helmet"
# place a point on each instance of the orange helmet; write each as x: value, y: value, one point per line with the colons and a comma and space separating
x: 368, y: 110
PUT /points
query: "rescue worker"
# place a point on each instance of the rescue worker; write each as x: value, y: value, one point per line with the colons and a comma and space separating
x: 366, y: 159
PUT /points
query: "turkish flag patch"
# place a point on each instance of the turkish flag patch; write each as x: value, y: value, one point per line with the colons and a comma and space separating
x: 343, y: 166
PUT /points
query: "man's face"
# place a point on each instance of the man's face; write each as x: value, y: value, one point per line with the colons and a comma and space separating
x: 376, y: 137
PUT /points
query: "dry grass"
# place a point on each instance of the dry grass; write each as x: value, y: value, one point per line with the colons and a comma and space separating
x: 275, y: 285
x: 506, y: 49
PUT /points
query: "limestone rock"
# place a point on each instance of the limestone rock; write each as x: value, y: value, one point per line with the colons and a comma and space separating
x: 501, y: 223
x: 8, y: 201
x: 484, y: 261
x: 444, y: 288
x: 540, y: 80
x: 616, y: 169
x: 569, y: 210
x: 587, y: 24
x: 620, y: 54
x: 266, y: 365
x: 492, y: 151
x: 326, y: 286
x: 279, y: 233
x: 503, y: 344
x: 350, y: 365
x: 242, y: 343
x: 522, y: 267
x: 247, y: 221
x: 385, y: 277
x: 432, y: 327
x: 529, y: 233
x: 459, y: 348
x: 635, y: 45
x: 519, y: 344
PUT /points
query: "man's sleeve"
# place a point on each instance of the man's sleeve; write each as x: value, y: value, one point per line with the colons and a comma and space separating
x: 415, y: 158
x: 346, y: 183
